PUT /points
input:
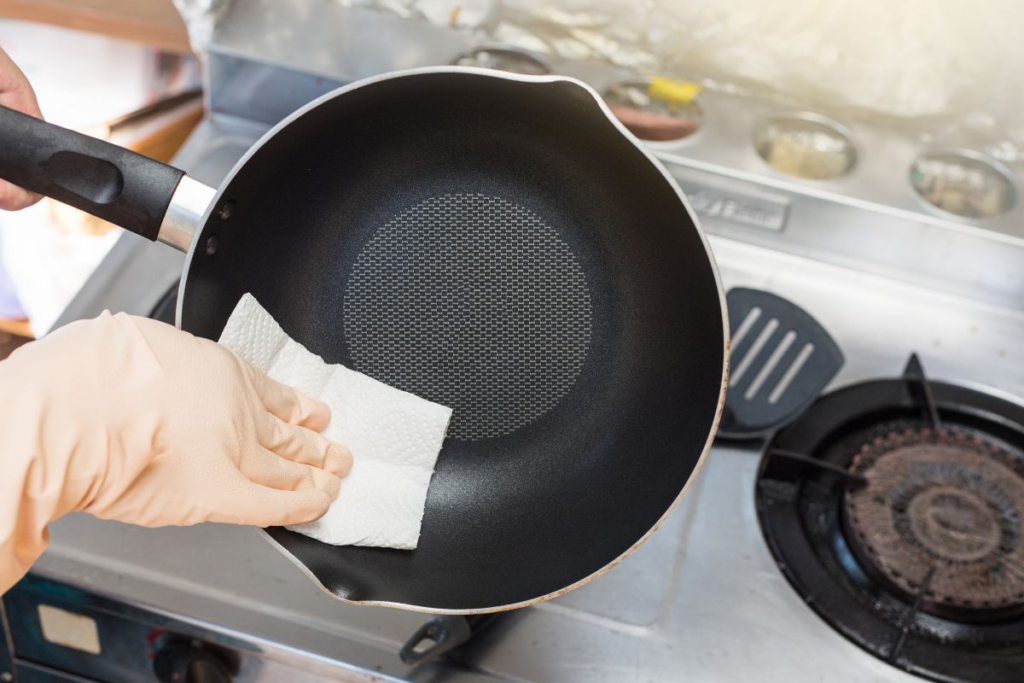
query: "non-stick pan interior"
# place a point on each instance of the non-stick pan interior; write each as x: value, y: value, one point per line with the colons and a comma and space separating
x: 500, y: 247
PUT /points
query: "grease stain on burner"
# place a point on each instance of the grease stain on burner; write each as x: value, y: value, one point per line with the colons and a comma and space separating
x: 945, y: 503
x: 954, y: 525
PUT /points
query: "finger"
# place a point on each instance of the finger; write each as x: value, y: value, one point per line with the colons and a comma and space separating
x: 14, y: 198
x: 291, y: 405
x: 267, y: 469
x: 15, y: 90
x: 16, y: 93
x: 305, y: 446
x: 264, y: 506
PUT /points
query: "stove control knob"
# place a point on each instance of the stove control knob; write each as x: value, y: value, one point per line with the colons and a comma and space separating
x: 185, y: 662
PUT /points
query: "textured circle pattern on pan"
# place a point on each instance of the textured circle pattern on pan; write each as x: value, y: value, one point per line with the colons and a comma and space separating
x: 942, y: 510
x: 421, y: 315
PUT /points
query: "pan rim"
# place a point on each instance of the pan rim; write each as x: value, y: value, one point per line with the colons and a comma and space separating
x: 545, y: 79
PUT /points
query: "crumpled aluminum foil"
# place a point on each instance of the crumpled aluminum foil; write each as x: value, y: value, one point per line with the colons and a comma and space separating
x: 613, y: 31
x: 200, y: 18
x: 941, y: 67
x: 928, y: 64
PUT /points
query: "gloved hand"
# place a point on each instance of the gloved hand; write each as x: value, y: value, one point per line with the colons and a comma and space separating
x: 16, y: 93
x: 131, y: 419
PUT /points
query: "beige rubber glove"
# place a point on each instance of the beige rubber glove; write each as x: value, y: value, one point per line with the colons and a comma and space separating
x: 131, y: 419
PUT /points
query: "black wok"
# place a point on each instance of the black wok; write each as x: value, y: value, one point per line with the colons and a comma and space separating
x: 497, y: 243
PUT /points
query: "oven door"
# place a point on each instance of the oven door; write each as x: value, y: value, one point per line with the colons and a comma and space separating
x: 54, y: 632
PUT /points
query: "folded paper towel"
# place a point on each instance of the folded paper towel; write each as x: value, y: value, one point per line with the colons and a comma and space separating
x: 395, y: 437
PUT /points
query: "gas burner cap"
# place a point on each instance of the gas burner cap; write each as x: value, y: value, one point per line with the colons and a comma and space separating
x: 806, y: 145
x: 964, y: 183
x: 656, y: 109
x: 941, y: 515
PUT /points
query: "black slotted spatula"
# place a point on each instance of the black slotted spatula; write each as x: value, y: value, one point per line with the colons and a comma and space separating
x: 781, y: 359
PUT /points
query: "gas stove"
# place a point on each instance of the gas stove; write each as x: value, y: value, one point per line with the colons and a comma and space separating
x: 771, y: 569
x: 893, y: 507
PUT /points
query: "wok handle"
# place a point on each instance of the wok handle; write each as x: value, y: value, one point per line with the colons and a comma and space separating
x: 444, y: 634
x: 107, y: 181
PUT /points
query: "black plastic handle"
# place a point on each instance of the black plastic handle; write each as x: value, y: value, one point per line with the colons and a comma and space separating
x: 441, y: 635
x: 435, y: 638
x: 110, y: 182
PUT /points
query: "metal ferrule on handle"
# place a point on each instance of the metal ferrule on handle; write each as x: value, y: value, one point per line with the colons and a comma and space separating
x: 185, y: 213
x: 118, y: 185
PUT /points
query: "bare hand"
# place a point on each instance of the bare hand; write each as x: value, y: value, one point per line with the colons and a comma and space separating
x: 16, y: 93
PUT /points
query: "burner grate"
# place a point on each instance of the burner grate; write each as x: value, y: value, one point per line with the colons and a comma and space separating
x: 893, y: 507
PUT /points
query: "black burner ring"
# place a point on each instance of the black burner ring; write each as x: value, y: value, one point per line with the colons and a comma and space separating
x: 801, y: 508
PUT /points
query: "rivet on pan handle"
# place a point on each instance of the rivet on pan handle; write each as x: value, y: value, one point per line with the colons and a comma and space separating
x: 782, y: 359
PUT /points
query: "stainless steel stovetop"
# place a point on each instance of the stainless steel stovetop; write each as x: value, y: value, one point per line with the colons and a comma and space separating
x: 703, y: 599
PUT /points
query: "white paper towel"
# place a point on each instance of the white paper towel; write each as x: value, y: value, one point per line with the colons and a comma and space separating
x: 395, y: 437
